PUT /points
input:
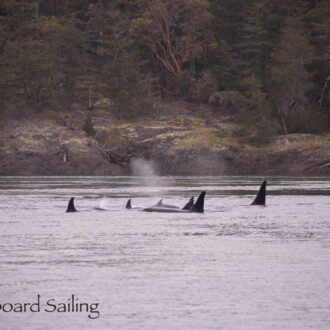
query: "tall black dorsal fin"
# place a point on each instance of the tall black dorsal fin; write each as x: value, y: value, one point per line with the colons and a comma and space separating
x: 71, y: 207
x: 199, y: 205
x: 129, y: 204
x: 189, y: 205
x: 261, y: 196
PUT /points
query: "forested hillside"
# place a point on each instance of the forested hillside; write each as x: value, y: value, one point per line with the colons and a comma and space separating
x: 265, y: 63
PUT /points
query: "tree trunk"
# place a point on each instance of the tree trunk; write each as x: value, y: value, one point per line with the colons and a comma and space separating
x: 90, y: 105
x: 283, y: 122
x: 325, y: 87
x: 37, y: 21
x: 39, y: 101
x: 205, y: 57
x: 53, y: 7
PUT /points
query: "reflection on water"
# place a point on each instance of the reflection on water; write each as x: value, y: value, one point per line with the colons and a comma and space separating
x: 234, y: 267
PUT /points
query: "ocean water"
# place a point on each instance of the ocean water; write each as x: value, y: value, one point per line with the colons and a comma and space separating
x: 234, y: 267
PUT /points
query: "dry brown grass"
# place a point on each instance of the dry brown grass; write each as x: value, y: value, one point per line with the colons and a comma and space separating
x: 183, y: 130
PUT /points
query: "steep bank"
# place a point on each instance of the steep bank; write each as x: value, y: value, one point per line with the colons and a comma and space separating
x: 176, y: 140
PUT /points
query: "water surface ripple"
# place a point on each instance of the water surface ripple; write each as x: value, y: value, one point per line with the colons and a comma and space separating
x: 233, y: 267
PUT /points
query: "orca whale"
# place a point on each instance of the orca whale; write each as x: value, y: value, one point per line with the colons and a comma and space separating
x: 197, y: 207
x: 160, y: 204
x: 129, y: 204
x: 71, y: 207
x: 261, y: 196
x: 188, y: 206
x: 130, y: 207
x: 98, y: 208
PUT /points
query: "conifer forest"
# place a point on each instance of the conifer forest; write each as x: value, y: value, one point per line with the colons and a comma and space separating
x: 264, y: 62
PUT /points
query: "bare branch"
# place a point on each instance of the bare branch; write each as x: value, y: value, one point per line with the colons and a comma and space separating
x: 325, y: 86
x: 62, y: 149
x: 38, y: 130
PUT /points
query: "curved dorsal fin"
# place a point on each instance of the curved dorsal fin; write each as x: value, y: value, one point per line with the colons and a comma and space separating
x: 189, y: 205
x: 71, y: 207
x: 199, y: 205
x: 261, y: 196
x: 129, y: 204
x: 160, y: 202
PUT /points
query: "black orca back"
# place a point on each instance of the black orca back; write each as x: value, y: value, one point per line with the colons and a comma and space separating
x: 189, y: 205
x: 128, y: 204
x: 199, y: 205
x: 71, y: 207
x: 261, y: 196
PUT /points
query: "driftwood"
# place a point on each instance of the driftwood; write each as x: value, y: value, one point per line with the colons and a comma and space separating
x: 324, y: 165
x: 62, y: 149
x: 115, y: 156
x: 38, y: 130
x: 19, y: 130
x: 318, y: 166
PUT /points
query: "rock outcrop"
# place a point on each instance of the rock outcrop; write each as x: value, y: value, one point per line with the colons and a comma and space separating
x: 176, y: 143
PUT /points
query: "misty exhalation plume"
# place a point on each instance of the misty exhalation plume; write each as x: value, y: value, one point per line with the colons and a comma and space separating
x: 143, y: 167
x: 147, y: 169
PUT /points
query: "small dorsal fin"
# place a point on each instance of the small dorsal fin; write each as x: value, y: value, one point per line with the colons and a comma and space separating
x: 189, y: 205
x: 199, y: 205
x: 160, y: 202
x: 129, y: 204
x: 261, y: 196
x: 71, y: 207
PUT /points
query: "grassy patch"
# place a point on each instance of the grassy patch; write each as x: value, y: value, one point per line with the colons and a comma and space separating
x: 308, y: 142
x: 198, y: 138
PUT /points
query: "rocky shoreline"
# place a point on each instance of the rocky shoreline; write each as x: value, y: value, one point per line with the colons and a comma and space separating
x: 181, y: 145
x: 190, y: 161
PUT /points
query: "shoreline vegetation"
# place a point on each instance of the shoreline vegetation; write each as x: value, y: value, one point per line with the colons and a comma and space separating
x: 192, y: 86
x: 175, y: 140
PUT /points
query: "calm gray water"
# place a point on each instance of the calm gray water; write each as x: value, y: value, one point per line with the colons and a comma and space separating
x: 233, y: 267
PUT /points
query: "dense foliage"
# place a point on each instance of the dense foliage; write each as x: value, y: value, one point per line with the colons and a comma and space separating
x: 88, y: 126
x: 267, y: 63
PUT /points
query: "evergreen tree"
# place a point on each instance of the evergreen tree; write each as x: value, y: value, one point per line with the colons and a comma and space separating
x: 88, y: 126
x: 256, y: 44
x: 58, y: 54
x: 23, y: 63
x: 319, y: 23
x: 116, y: 61
x: 290, y: 78
x: 63, y: 43
x: 228, y: 23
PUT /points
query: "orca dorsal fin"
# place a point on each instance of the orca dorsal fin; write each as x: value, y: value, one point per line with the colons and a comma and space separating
x: 160, y: 202
x: 199, y: 205
x: 71, y: 207
x: 261, y: 196
x: 129, y: 204
x: 189, y: 205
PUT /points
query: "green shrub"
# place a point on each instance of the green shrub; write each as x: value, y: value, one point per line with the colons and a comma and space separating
x: 203, y: 87
x: 306, y: 120
x: 88, y: 126
x: 263, y: 132
x: 240, y: 132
